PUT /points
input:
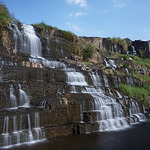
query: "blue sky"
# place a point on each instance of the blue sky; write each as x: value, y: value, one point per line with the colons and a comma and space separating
x: 97, y: 18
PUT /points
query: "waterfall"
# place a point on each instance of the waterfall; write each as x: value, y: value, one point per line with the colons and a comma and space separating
x: 105, y: 81
x: 26, y: 40
x: 127, y: 71
x: 134, y: 51
x: 15, y: 123
x: 6, y: 135
x: 76, y: 78
x: 110, y: 63
x: 30, y: 135
x: 95, y: 79
x: 12, y: 97
x: 117, y: 81
x: 1, y: 74
x: 23, y: 98
x: 135, y: 113
x: 108, y: 112
x: 112, y: 49
x: 16, y: 133
x: 129, y: 81
x: 39, y: 133
x: 6, y: 124
x: 48, y: 63
x: 118, y: 94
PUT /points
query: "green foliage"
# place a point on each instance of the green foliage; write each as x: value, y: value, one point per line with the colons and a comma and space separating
x: 134, y: 92
x: 67, y: 35
x: 146, y: 86
x: 88, y: 52
x: 88, y: 63
x: 126, y: 65
x: 5, y: 16
x: 143, y: 62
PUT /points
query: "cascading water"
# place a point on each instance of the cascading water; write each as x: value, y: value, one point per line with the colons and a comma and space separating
x: 105, y: 81
x: 0, y: 74
x: 26, y: 40
x: 16, y: 133
x: 23, y: 98
x: 30, y: 135
x: 76, y: 78
x: 105, y: 110
x: 18, y: 128
x: 6, y: 135
x: 110, y: 63
x: 95, y: 79
x: 21, y: 134
x: 134, y: 51
x: 129, y: 81
x: 33, y: 42
x: 112, y: 48
x: 109, y: 113
x: 39, y: 133
x: 12, y: 97
x: 48, y: 63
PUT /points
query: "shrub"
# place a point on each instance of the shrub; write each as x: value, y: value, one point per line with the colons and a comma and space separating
x: 88, y: 52
x: 5, y: 16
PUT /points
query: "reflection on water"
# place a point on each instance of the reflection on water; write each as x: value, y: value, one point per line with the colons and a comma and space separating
x: 134, y: 138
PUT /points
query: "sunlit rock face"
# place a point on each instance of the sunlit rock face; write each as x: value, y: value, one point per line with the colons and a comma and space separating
x: 43, y: 93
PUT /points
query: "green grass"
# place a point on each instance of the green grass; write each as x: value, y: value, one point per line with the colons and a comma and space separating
x: 134, y: 92
x: 88, y: 63
x: 142, y: 77
x: 66, y: 34
x: 43, y: 26
x: 136, y: 59
x: 142, y: 62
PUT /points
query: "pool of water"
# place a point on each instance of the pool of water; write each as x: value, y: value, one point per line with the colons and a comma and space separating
x: 136, y: 137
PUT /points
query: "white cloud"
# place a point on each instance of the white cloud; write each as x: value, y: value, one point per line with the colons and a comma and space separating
x: 146, y: 30
x: 77, y: 14
x: 82, y: 3
x: 105, y: 12
x: 119, y: 3
x: 73, y: 27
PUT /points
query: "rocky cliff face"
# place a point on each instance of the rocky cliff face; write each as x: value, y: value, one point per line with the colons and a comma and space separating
x: 46, y: 94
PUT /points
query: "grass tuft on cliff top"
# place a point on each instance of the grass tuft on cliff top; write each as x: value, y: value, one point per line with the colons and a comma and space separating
x: 67, y: 35
x: 43, y: 26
